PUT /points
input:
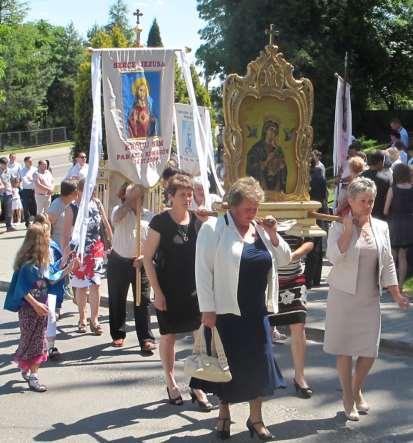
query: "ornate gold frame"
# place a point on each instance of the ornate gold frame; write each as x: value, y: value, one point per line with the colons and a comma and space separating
x: 270, y: 75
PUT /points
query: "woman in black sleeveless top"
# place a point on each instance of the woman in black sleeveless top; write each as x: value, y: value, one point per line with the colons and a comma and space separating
x: 399, y: 208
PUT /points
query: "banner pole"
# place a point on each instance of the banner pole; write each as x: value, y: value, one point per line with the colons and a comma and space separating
x: 138, y: 295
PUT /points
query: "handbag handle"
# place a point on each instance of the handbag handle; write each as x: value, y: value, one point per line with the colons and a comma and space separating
x: 218, y: 348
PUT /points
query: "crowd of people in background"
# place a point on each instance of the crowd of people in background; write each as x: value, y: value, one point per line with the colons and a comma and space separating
x: 204, y: 270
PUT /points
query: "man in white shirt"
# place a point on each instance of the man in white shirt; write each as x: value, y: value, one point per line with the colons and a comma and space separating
x: 80, y: 169
x: 6, y: 193
x: 121, y: 271
x: 26, y: 175
x: 199, y: 196
x: 396, y: 125
x: 14, y: 166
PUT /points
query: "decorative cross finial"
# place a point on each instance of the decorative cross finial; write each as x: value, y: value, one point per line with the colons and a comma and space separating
x: 272, y: 32
x: 138, y: 14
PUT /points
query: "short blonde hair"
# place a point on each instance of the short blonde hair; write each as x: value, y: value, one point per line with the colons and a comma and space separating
x: 245, y: 188
x: 360, y: 185
x: 356, y: 165
x: 393, y: 154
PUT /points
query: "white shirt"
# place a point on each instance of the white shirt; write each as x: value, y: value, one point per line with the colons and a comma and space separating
x: 26, y: 176
x: 396, y: 162
x: 213, y: 199
x: 217, y: 263
x: 14, y: 169
x: 5, y: 177
x: 77, y: 171
x: 124, y: 232
x: 45, y: 179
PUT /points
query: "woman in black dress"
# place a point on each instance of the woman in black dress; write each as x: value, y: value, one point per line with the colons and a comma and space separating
x: 169, y: 260
x: 399, y: 209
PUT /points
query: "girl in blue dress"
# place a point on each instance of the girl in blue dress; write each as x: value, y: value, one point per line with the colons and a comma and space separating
x: 27, y: 295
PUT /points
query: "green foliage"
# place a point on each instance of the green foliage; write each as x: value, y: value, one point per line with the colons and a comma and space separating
x: 118, y: 18
x: 408, y: 285
x: 314, y: 36
x: 154, y: 36
x: 67, y: 52
x: 12, y: 12
x: 28, y: 71
x: 369, y: 144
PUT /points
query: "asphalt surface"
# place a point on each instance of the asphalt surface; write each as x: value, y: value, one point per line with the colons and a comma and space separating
x: 101, y: 394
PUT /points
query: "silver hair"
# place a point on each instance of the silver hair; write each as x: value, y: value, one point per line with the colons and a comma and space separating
x: 359, y: 185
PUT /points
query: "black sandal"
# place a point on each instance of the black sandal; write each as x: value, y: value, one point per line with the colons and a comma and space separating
x: 264, y: 436
x: 304, y: 392
x: 204, y: 405
x: 225, y: 432
x: 175, y: 401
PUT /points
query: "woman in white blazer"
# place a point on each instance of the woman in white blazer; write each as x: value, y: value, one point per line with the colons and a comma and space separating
x: 236, y: 278
x: 359, y: 249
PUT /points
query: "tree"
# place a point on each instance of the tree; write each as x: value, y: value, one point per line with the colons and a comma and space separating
x: 28, y: 72
x: 67, y: 50
x: 118, y: 18
x: 378, y: 34
x: 154, y: 36
x: 12, y: 12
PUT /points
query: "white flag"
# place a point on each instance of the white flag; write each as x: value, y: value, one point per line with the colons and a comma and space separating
x: 138, y: 92
x: 342, y: 124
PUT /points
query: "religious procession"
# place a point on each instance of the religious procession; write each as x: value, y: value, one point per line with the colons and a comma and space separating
x: 212, y: 237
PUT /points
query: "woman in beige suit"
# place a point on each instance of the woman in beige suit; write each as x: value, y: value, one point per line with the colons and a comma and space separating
x: 360, y: 252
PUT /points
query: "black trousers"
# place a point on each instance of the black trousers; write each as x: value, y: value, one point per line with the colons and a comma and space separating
x: 314, y: 264
x: 29, y: 204
x: 6, y: 208
x: 121, y: 274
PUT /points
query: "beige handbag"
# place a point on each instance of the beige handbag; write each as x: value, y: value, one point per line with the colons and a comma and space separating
x: 212, y: 367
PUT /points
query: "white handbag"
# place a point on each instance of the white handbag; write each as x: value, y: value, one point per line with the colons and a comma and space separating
x: 206, y: 367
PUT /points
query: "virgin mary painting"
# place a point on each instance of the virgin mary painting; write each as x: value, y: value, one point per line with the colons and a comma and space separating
x: 265, y: 160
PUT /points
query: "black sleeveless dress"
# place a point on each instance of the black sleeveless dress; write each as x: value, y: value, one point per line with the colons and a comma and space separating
x: 175, y: 269
x: 401, y: 218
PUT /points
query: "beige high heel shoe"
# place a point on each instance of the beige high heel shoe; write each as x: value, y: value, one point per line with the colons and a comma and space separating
x: 351, y: 412
x: 361, y: 404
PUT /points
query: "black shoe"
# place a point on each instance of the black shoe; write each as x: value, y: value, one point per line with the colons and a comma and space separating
x: 304, y: 392
x: 204, y: 406
x: 54, y: 354
x: 175, y: 401
x: 225, y: 432
x: 266, y: 436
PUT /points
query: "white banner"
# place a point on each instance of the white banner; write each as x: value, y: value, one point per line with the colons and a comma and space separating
x: 185, y: 137
x: 82, y: 219
x: 138, y: 93
x: 342, y: 124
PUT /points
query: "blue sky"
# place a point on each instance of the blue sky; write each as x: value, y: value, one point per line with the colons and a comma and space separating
x: 177, y: 19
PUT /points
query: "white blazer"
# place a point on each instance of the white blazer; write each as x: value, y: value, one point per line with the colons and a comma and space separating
x: 343, y: 275
x: 218, y: 255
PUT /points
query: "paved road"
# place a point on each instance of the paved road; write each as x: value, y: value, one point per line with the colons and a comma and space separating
x: 101, y: 394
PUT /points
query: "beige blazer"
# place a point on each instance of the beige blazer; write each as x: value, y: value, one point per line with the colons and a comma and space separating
x: 343, y: 275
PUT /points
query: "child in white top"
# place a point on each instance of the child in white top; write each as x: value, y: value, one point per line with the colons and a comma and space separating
x: 16, y: 204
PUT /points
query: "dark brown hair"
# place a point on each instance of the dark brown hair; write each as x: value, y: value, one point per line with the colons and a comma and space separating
x: 179, y: 181
x: 401, y: 174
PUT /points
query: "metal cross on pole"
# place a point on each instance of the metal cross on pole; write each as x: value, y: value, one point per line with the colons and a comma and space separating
x: 138, y: 14
x: 272, y: 32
